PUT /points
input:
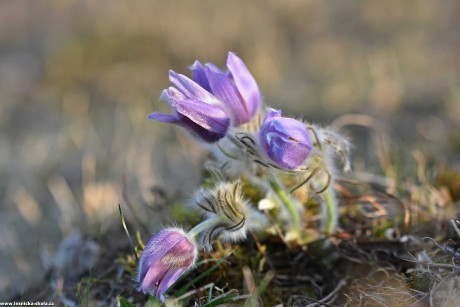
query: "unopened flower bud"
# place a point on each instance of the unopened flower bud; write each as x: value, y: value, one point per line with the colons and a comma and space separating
x: 166, y: 257
x: 285, y: 140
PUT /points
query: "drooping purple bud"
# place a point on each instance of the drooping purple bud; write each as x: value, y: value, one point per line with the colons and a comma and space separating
x: 196, y: 109
x: 237, y: 89
x: 285, y: 140
x: 166, y: 257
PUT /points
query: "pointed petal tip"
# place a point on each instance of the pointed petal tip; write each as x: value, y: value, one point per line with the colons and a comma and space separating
x: 195, y: 65
x: 245, y: 82
x: 233, y: 60
x: 152, y: 116
x: 274, y: 111
x: 165, y: 118
x: 172, y: 74
x: 232, y: 55
x: 164, y: 95
x: 271, y: 113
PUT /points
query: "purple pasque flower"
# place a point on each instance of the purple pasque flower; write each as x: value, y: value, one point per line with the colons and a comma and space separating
x: 196, y: 109
x: 285, y: 140
x: 237, y: 88
x: 166, y: 257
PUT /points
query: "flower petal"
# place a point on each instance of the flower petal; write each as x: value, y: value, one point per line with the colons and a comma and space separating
x: 167, y: 255
x: 215, y: 68
x: 287, y: 153
x: 292, y: 129
x: 245, y: 82
x: 155, y: 249
x: 191, y: 89
x: 171, y: 277
x: 164, y: 118
x: 154, y: 274
x: 224, y: 89
x: 285, y: 140
x: 199, y: 132
x: 209, y: 117
x: 272, y: 113
x: 189, y: 117
x: 206, y: 121
x: 199, y: 75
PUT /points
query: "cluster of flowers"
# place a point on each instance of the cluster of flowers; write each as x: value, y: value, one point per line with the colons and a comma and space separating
x: 249, y: 145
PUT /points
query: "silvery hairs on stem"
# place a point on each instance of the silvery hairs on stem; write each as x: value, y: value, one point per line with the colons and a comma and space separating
x: 225, y: 203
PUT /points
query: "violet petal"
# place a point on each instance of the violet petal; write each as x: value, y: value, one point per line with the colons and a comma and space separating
x: 191, y: 89
x: 209, y: 117
x: 287, y: 153
x: 224, y: 89
x: 292, y: 129
x: 164, y: 118
x: 153, y: 275
x: 199, y: 75
x: 168, y: 280
x: 155, y: 249
x: 285, y: 140
x: 245, y: 83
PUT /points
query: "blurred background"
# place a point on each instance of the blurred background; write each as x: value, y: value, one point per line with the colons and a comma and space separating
x: 79, y: 77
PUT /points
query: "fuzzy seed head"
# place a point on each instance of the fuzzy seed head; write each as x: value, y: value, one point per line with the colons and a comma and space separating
x: 226, y: 201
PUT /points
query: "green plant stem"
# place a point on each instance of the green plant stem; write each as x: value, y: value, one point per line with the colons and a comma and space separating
x: 208, y: 223
x: 286, y: 200
x: 330, y: 210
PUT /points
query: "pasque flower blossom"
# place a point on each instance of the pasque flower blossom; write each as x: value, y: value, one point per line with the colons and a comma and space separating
x: 237, y: 88
x: 166, y: 257
x: 196, y: 109
x: 285, y: 140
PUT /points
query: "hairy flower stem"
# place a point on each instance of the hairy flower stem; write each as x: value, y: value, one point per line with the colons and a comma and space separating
x: 286, y: 200
x: 204, y: 225
x: 330, y: 210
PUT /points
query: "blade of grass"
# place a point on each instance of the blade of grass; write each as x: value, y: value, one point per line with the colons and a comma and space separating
x: 199, y: 264
x: 79, y: 294
x: 254, y: 299
x: 210, y: 294
x: 264, y: 282
x: 139, y: 240
x: 201, y: 276
x: 230, y: 296
x: 192, y: 292
x: 127, y: 232
x: 88, y: 285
